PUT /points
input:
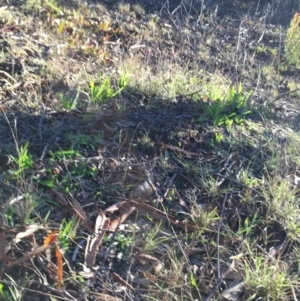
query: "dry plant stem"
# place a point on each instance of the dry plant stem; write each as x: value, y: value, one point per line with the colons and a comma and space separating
x: 283, y: 95
x: 239, y: 183
x: 220, y: 276
x: 29, y: 255
x: 48, y: 287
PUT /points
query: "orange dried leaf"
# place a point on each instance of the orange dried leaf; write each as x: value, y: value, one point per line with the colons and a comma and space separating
x: 59, y: 262
x: 51, y: 238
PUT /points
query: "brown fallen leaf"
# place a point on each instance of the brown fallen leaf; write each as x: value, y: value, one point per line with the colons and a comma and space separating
x: 114, y: 207
x: 60, y: 198
x: 77, y: 206
x: 125, y: 212
x: 59, y: 262
x: 93, y: 244
x: 74, y: 208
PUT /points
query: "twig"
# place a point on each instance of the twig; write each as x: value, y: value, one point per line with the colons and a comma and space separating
x: 48, y: 287
x: 220, y: 276
x: 41, y: 122
x: 283, y: 95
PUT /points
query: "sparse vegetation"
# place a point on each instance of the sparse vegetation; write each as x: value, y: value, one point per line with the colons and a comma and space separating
x: 149, y: 151
x: 293, y: 42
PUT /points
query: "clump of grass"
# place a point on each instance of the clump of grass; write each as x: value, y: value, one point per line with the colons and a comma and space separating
x: 168, y: 81
x: 229, y: 109
x: 102, y: 89
x: 266, y: 277
x: 68, y: 232
x: 23, y: 161
x: 282, y: 205
x: 67, y: 101
x: 292, y: 53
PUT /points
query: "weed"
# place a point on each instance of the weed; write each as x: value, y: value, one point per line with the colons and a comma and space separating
x: 61, y: 155
x: 67, y: 101
x: 124, y: 241
x: 292, y: 51
x: 219, y: 137
x: 68, y: 231
x: 231, y: 109
x: 154, y: 238
x: 24, y: 160
x: 203, y: 218
x: 81, y: 140
x: 100, y: 91
x: 281, y: 202
x: 265, y: 278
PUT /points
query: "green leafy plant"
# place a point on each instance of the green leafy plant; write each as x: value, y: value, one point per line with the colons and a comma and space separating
x: 230, y: 109
x: 67, y: 101
x: 23, y: 161
x: 100, y: 91
x: 68, y: 230
x: 60, y: 155
x: 219, y: 137
x: 82, y: 140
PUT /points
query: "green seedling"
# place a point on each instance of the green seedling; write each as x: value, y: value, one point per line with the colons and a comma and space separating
x: 67, y: 101
x: 68, y: 231
x: 219, y: 137
x: 24, y: 161
x: 249, y: 225
x: 83, y: 170
x: 60, y: 155
x: 230, y: 109
x: 100, y: 91
x: 81, y: 140
x: 124, y: 241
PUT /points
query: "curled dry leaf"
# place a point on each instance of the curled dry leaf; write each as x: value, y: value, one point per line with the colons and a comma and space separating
x: 115, y: 207
x: 93, y: 243
x: 150, y: 263
x: 125, y: 212
x: 29, y: 230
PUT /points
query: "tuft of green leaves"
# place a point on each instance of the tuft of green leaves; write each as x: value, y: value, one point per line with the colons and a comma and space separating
x: 67, y: 101
x: 23, y: 161
x: 230, y: 109
x: 102, y: 90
